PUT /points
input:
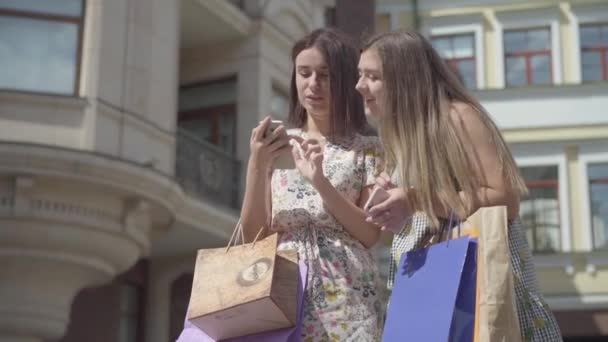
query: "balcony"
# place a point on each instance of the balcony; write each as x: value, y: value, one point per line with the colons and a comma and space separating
x: 206, y: 172
x: 205, y: 22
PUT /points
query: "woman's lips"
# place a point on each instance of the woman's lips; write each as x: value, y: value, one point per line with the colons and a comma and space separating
x: 314, y: 98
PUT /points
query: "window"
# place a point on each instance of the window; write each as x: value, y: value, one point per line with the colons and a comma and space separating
x: 540, y: 210
x: 528, y: 57
x: 458, y: 51
x: 598, y: 189
x: 208, y: 111
x: 383, y: 22
x: 178, y: 306
x: 279, y: 105
x: 40, y: 45
x: 330, y: 17
x: 594, y: 52
x: 129, y: 329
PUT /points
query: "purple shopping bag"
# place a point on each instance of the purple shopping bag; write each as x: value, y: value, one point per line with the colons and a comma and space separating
x: 433, y: 298
x: 193, y: 334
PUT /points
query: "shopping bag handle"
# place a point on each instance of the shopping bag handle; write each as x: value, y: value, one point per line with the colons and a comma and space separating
x: 235, y: 235
x: 449, y: 227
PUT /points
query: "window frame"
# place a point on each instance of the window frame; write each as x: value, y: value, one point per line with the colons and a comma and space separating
x: 591, y: 182
x: 538, y: 155
x: 526, y: 19
x: 528, y: 55
x: 42, y: 16
x: 588, y: 154
x: 543, y: 184
x: 602, y: 49
x: 465, y: 24
x: 212, y: 112
x: 453, y: 62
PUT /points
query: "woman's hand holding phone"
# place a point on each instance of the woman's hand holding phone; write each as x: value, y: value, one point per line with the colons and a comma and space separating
x: 388, y: 206
x: 267, y: 144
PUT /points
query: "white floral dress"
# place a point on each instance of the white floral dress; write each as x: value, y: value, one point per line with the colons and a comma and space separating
x: 343, y: 299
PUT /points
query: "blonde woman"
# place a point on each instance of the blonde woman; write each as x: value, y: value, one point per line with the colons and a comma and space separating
x: 448, y: 154
x: 317, y: 208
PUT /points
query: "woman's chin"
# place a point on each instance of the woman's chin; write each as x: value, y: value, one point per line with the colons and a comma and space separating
x: 373, y: 113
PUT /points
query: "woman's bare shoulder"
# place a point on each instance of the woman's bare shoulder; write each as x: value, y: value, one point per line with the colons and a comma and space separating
x: 466, y: 117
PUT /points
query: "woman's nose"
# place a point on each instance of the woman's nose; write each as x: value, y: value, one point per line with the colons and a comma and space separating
x: 360, y: 86
x: 314, y: 81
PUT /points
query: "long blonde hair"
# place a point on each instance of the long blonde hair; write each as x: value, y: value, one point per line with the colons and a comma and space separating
x: 420, y: 140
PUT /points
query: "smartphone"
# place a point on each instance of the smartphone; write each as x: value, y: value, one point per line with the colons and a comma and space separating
x: 285, y: 160
x: 274, y: 124
x: 379, y: 195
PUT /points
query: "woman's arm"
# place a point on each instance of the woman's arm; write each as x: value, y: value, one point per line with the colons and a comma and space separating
x: 256, y: 214
x: 350, y: 215
x: 481, y: 149
x: 493, y: 188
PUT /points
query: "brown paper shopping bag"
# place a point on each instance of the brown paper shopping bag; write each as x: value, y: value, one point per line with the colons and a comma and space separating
x: 496, y: 317
x: 245, y: 289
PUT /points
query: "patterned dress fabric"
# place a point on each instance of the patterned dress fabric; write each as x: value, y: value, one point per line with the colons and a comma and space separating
x: 343, y: 295
x: 537, y: 323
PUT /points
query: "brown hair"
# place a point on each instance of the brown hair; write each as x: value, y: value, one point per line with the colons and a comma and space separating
x: 419, y: 139
x: 346, y: 109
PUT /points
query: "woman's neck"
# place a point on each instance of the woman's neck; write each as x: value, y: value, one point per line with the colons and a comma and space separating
x: 316, y: 128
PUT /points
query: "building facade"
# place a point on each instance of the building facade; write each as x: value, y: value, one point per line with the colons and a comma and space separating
x: 540, y: 68
x: 124, y: 135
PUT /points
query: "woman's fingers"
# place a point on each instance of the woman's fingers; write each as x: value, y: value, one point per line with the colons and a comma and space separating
x: 381, y: 182
x: 260, y: 130
x: 316, y: 149
x: 274, y: 135
x: 295, y: 152
x: 297, y: 138
x: 384, y: 181
x: 278, y: 143
x: 382, y: 219
x: 380, y: 207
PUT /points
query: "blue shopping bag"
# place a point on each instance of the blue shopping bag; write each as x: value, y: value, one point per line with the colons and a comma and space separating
x: 433, y: 296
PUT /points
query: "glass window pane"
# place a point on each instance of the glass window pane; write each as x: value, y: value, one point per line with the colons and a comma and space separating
x: 536, y: 173
x: 591, y: 73
x: 129, y: 313
x: 516, y: 71
x: 599, y: 214
x: 38, y: 55
x: 539, y: 40
x: 466, y: 73
x: 541, y: 77
x: 539, y: 210
x: 443, y: 47
x: 208, y: 95
x: 591, y: 58
x: 604, y: 35
x: 541, y: 69
x: 383, y: 22
x: 540, y: 213
x: 591, y: 66
x: 463, y: 46
x: 598, y: 171
x: 590, y: 35
x: 279, y: 105
x: 62, y: 7
x: 515, y: 41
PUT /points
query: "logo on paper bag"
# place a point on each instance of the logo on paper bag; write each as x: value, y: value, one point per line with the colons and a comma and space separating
x: 255, y: 272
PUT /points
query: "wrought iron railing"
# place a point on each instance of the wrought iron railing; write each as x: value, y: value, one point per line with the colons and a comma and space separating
x: 207, y: 172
